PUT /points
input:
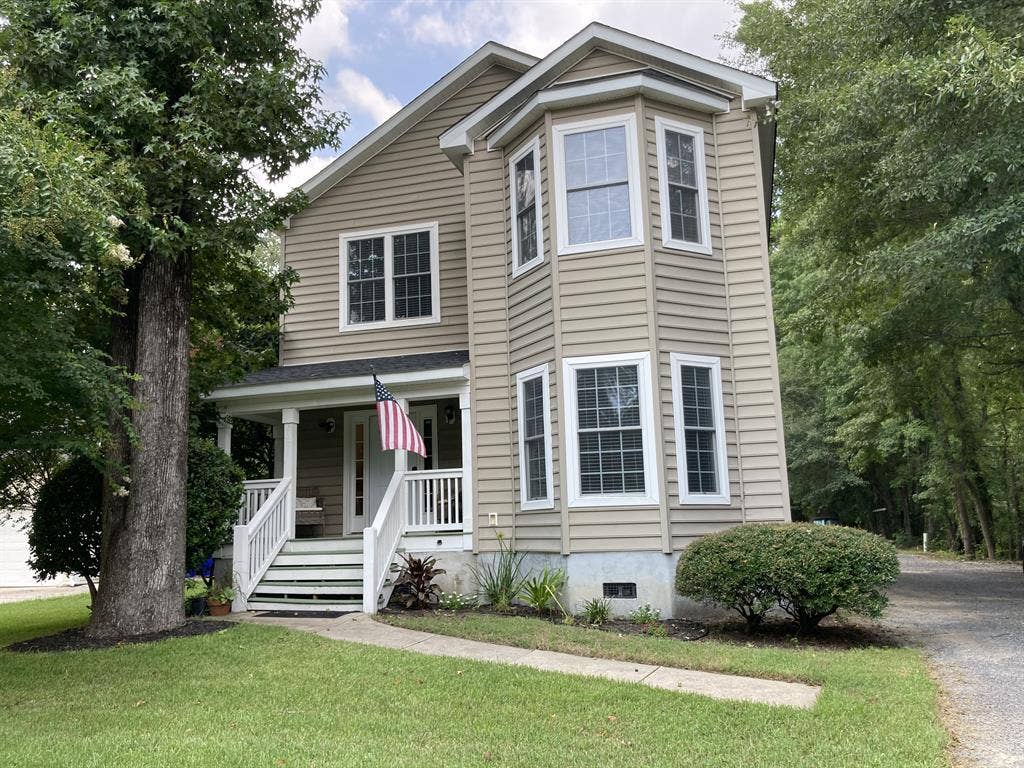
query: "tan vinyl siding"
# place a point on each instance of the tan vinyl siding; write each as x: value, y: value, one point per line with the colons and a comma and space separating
x: 320, y: 463
x: 603, y: 306
x: 532, y: 343
x: 411, y: 181
x: 758, y: 411
x: 489, y: 344
x: 692, y: 318
x: 718, y: 306
x: 599, y: 63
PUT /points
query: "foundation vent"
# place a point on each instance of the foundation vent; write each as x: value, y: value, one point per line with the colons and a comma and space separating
x: 623, y: 590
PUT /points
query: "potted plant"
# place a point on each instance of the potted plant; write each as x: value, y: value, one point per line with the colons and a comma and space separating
x: 218, y: 599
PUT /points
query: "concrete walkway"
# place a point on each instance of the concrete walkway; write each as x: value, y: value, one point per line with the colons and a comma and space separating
x: 360, y: 628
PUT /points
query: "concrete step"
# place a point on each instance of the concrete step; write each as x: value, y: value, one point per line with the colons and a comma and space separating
x: 328, y: 587
x: 314, y: 573
x: 349, y: 544
x: 304, y: 604
x: 331, y: 557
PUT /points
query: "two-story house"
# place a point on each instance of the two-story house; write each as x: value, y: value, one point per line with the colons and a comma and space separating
x: 560, y: 267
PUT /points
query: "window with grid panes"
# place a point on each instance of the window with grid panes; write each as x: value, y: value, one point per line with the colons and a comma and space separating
x: 610, y: 433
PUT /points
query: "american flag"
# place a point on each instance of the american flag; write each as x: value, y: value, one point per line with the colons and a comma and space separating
x: 397, y: 432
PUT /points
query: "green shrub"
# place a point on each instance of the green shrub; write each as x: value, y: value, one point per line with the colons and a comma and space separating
x: 732, y: 569
x: 67, y: 520
x: 818, y: 570
x: 809, y: 571
x: 66, y: 523
x: 596, y: 611
x: 540, y: 591
x: 213, y: 490
x: 501, y: 580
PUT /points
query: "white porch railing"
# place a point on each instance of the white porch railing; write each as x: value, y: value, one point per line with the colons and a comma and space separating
x: 434, y: 500
x: 255, y: 495
x: 380, y: 541
x: 257, y: 542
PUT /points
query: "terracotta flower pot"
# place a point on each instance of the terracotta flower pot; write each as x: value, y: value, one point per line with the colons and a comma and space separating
x: 218, y: 608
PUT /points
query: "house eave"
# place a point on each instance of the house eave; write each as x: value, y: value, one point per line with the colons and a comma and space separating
x: 603, y: 90
x: 753, y: 90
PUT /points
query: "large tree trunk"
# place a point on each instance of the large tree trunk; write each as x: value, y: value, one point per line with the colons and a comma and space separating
x: 963, y: 518
x: 143, y: 556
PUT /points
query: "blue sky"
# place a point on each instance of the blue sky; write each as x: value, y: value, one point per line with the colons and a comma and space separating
x: 380, y: 54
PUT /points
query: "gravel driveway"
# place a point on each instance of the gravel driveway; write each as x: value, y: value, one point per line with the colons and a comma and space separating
x: 969, y: 618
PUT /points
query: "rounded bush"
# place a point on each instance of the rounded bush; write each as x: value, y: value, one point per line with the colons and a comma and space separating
x: 809, y: 571
x: 820, y: 569
x: 65, y: 533
x: 67, y: 521
x: 731, y: 568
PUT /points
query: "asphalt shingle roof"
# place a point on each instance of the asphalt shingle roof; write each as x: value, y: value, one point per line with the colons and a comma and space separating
x: 343, y: 368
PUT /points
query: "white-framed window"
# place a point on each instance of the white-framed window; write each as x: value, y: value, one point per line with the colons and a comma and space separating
x: 597, y: 184
x: 682, y: 181
x: 534, y: 406
x: 390, y: 277
x: 610, y: 442
x: 699, y: 413
x: 527, y: 218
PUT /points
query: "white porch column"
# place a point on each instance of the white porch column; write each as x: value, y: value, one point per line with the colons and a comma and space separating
x: 290, y: 460
x: 402, y: 466
x: 224, y: 435
x: 278, y: 451
x: 468, y: 508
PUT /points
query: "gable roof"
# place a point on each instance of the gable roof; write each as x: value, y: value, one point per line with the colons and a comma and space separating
x: 755, y: 91
x: 469, y: 69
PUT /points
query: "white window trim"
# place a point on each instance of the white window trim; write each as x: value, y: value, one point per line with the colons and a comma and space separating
x: 677, y: 360
x: 559, y: 132
x: 661, y: 124
x: 389, y: 320
x: 647, y: 427
x: 533, y: 146
x: 547, y: 502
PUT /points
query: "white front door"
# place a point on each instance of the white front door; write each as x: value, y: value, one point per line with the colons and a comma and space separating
x: 369, y: 468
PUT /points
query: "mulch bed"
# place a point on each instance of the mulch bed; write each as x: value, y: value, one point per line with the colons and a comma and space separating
x: 76, y: 639
x: 832, y: 634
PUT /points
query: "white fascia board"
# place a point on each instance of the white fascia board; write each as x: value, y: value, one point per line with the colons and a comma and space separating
x: 235, y: 393
x: 458, y: 140
x: 606, y: 89
x: 379, y: 138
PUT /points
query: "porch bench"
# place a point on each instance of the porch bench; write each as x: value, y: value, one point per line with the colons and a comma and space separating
x: 309, y: 508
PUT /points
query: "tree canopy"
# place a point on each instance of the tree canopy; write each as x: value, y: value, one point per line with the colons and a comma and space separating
x: 187, y: 100
x: 898, y: 259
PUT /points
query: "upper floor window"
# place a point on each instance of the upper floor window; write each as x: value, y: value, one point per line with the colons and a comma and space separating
x: 390, y: 277
x: 527, y: 230
x: 685, y: 223
x: 610, y: 430
x: 533, y: 400
x: 700, y: 429
x: 597, y: 181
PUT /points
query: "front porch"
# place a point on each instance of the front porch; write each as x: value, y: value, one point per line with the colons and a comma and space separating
x: 325, y: 532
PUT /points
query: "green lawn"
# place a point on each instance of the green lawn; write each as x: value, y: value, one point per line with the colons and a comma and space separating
x: 263, y: 696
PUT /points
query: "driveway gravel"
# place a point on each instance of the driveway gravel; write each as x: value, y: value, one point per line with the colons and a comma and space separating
x: 969, y: 619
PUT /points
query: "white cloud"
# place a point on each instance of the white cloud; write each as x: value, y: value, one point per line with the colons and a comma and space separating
x: 540, y: 27
x: 326, y: 34
x: 355, y: 92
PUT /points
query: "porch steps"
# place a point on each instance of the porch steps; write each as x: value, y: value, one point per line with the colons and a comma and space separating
x: 313, y: 575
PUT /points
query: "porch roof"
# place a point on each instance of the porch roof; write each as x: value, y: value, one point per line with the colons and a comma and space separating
x: 339, y: 381
x: 337, y: 369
